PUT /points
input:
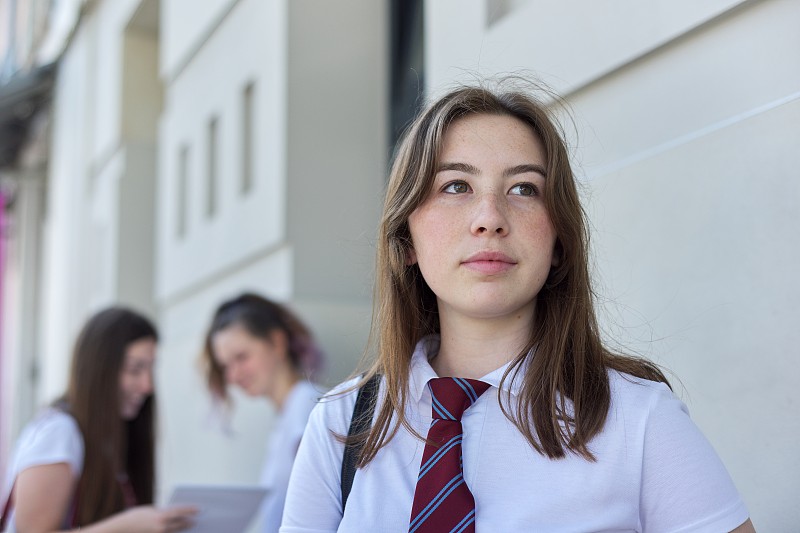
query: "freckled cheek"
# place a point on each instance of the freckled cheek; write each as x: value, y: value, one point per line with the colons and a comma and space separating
x: 428, y: 233
x: 541, y: 240
x: 233, y: 373
x: 540, y: 228
x: 433, y: 246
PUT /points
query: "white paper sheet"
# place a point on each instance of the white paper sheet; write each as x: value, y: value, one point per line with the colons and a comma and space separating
x: 222, y: 508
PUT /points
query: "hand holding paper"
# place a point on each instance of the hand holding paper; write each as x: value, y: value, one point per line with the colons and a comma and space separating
x: 221, y: 508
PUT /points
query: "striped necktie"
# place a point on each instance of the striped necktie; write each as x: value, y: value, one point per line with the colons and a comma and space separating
x: 442, y: 500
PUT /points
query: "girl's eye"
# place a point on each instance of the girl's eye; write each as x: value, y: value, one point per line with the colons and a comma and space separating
x: 456, y: 187
x: 134, y: 371
x: 137, y: 368
x: 524, y: 189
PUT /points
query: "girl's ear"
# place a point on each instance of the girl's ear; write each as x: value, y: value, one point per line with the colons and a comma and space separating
x: 411, y: 256
x: 558, y: 251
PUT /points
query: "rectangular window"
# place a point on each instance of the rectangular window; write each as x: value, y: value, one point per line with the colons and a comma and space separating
x: 247, y: 138
x: 181, y: 209
x: 211, y: 170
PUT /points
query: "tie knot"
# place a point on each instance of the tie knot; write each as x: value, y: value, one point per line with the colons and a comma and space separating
x: 452, y: 396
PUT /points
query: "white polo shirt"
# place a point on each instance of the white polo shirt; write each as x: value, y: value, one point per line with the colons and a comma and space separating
x: 282, y: 448
x: 654, y: 470
x: 52, y: 437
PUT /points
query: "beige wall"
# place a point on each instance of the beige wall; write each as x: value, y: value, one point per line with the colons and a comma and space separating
x: 243, y: 227
x: 302, y: 233
x: 686, y: 117
x: 142, y: 80
x: 337, y: 120
x: 98, y: 223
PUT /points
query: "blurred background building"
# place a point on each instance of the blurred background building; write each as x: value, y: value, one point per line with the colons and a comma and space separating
x: 167, y: 154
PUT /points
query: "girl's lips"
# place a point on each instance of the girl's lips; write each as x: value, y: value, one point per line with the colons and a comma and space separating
x: 489, y: 262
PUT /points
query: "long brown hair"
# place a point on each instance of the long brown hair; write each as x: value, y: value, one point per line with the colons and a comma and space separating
x: 565, y: 394
x: 111, y: 444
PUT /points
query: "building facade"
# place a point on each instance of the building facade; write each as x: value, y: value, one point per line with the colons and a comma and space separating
x: 685, y: 132
x: 195, y: 149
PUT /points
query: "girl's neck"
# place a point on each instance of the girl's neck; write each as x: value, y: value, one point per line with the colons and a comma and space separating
x: 471, y: 348
x: 283, y: 386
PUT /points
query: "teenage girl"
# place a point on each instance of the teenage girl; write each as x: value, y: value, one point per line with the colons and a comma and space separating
x: 482, y: 275
x: 88, y: 461
x: 261, y: 347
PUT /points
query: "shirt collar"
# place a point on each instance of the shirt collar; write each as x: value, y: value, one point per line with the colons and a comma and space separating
x: 421, y: 371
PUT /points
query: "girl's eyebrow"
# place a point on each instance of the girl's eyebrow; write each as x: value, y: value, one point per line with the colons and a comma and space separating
x: 522, y: 169
x: 507, y: 173
x: 460, y: 167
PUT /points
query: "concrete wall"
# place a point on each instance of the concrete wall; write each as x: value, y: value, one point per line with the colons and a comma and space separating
x: 686, y: 120
x: 24, y: 27
x: 21, y: 291
x: 98, y: 219
x: 200, y: 149
x: 336, y: 170
x: 300, y: 232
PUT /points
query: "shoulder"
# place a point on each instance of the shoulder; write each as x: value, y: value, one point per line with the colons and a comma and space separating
x: 303, y: 397
x: 52, y: 423
x: 642, y: 396
x: 342, y: 397
x: 52, y: 437
x: 659, y: 421
x: 316, y: 473
x: 678, y: 466
x: 308, y: 390
x: 321, y: 448
x: 347, y: 391
x: 335, y: 409
x: 644, y: 411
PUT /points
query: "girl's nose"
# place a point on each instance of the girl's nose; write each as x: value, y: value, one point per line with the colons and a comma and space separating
x: 490, y: 216
x: 147, y: 383
x: 230, y: 374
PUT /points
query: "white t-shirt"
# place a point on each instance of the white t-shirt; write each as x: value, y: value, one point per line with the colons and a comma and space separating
x: 654, y: 470
x: 281, y: 450
x: 52, y: 437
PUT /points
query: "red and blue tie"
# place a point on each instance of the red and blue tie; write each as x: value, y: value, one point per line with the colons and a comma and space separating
x: 442, y: 500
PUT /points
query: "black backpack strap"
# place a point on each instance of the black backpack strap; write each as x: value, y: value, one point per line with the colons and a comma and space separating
x: 361, y: 422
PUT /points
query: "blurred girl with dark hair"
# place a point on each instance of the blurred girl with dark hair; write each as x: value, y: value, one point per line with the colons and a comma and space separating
x: 265, y: 350
x: 88, y: 461
x: 498, y: 407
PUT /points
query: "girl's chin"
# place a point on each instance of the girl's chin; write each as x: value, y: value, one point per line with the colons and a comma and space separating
x: 131, y: 411
x: 129, y: 414
x: 252, y: 390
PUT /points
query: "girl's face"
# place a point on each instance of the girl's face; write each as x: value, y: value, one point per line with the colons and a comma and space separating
x: 136, y: 376
x: 249, y: 362
x: 483, y: 238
